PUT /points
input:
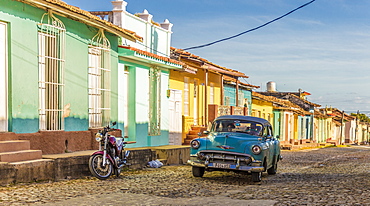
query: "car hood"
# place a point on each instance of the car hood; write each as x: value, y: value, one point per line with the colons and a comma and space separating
x: 231, y: 142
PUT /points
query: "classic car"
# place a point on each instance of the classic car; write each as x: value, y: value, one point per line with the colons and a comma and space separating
x: 236, y: 143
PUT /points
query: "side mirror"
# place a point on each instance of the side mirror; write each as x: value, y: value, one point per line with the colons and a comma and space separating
x: 114, y: 123
x: 277, y: 137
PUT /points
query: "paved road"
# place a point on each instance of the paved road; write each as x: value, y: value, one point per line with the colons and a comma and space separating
x: 330, y: 176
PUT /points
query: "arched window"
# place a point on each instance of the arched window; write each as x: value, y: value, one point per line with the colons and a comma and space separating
x: 51, y: 32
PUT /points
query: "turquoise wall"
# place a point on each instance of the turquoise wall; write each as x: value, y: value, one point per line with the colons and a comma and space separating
x: 304, y: 127
x: 138, y: 107
x: 248, y: 94
x: 23, y: 69
x: 277, y: 123
x: 230, y: 91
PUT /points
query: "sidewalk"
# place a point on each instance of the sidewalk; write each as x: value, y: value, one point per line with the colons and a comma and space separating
x: 74, y: 165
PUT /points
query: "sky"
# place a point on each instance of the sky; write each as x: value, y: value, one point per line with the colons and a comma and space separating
x: 323, y: 48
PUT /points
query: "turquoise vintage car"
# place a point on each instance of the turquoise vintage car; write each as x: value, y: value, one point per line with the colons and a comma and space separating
x: 236, y: 143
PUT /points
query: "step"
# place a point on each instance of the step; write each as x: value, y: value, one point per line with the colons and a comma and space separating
x: 14, y: 145
x: 193, y: 132
x: 187, y: 142
x: 22, y: 155
x: 27, y: 171
x: 198, y: 128
x: 191, y: 136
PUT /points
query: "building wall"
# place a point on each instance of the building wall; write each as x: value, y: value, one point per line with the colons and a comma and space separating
x: 277, y: 123
x: 248, y: 95
x: 287, y: 126
x: 262, y: 109
x: 138, y: 106
x: 23, y: 69
x: 155, y: 38
x: 229, y: 95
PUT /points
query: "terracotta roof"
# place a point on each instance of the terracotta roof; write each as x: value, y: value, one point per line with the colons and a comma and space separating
x: 280, y: 103
x: 229, y: 79
x: 60, y: 5
x: 336, y: 113
x: 149, y: 54
x: 318, y: 114
x: 308, y: 102
x: 184, y: 54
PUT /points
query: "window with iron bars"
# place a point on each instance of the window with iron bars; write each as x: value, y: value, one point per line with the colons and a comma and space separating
x: 99, y: 86
x: 99, y: 73
x: 51, y: 41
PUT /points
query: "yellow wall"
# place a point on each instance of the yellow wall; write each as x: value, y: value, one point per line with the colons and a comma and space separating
x: 177, y: 82
x: 295, y: 126
x: 262, y: 109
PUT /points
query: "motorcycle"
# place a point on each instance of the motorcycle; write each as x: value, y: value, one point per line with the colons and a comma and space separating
x: 111, y: 156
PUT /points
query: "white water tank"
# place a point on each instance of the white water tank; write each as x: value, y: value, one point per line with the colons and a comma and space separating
x: 271, y: 86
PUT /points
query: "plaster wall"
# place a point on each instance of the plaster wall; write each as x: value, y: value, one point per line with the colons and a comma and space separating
x: 23, y: 67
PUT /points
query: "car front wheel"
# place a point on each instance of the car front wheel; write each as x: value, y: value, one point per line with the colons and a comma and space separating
x: 198, y: 171
x: 256, y: 176
x: 272, y: 170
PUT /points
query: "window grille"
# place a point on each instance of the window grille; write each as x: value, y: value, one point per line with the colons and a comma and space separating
x: 51, y: 34
x: 186, y: 96
x: 240, y: 98
x: 99, y: 81
x: 227, y: 101
x: 154, y: 102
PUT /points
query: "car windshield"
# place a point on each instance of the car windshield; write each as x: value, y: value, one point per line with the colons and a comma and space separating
x: 244, y: 126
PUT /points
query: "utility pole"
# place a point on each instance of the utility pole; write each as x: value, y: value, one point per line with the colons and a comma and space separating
x: 341, y: 128
x: 356, y: 126
x: 367, y: 131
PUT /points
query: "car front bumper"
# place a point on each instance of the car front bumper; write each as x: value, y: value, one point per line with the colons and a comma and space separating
x: 255, y: 166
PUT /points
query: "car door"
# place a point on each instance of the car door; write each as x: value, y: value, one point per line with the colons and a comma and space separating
x: 267, y: 133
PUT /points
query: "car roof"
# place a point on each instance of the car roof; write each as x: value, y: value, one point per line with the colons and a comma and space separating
x: 241, y: 117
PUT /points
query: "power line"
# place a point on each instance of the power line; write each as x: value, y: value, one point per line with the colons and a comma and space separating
x: 250, y: 30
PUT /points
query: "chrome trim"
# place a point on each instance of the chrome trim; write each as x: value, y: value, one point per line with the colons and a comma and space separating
x: 209, y: 165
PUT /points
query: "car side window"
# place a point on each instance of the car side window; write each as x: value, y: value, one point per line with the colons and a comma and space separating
x: 271, y: 133
x: 267, y: 132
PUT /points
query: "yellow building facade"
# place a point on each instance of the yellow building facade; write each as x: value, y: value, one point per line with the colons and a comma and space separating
x: 200, y: 85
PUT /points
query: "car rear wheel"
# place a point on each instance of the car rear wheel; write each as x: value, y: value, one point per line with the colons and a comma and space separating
x: 198, y: 171
x: 256, y: 176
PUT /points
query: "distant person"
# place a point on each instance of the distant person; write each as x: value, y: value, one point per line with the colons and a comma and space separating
x: 230, y: 127
x: 254, y: 130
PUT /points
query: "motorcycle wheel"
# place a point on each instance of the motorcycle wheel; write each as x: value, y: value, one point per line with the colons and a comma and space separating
x: 97, y: 169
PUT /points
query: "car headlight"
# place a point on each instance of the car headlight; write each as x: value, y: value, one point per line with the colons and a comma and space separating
x: 98, y: 137
x: 256, y: 149
x: 195, y: 144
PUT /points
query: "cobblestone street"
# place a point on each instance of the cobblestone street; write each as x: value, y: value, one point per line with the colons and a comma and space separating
x: 328, y: 176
